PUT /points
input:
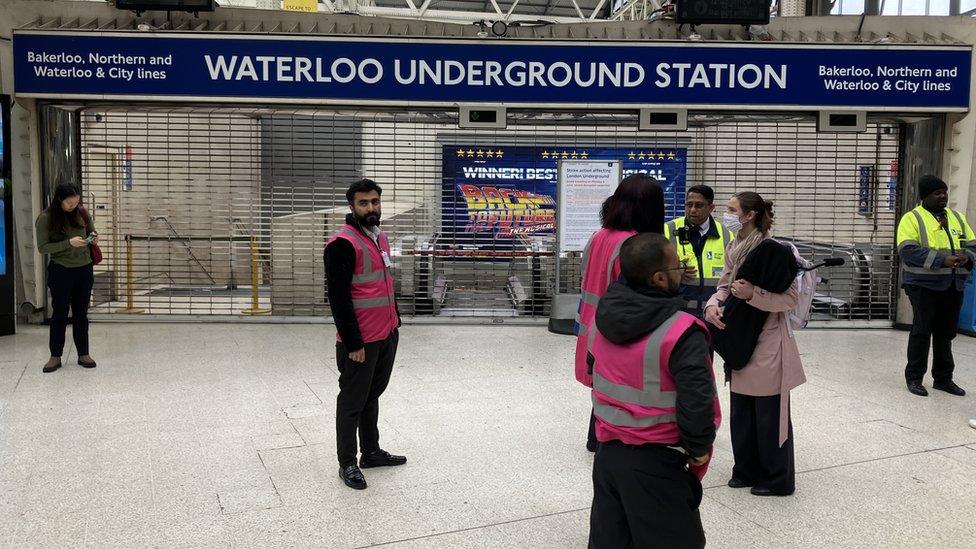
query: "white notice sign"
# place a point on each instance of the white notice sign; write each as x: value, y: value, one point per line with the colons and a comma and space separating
x: 583, y: 186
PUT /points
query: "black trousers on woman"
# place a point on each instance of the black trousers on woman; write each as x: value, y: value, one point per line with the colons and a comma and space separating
x: 71, y: 288
x: 759, y: 459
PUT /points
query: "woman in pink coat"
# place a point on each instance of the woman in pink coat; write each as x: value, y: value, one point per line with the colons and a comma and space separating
x: 637, y: 206
x: 762, y: 434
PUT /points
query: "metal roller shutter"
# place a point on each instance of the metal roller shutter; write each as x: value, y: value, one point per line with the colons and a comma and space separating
x: 207, y: 197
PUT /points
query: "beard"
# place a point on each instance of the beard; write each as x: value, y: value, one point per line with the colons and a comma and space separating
x: 369, y: 220
x: 674, y: 289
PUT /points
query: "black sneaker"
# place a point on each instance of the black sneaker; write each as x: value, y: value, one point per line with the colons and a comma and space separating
x: 949, y: 387
x: 915, y: 388
x: 380, y: 458
x: 353, y: 477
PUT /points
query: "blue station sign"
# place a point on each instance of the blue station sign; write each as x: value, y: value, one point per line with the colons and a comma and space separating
x: 314, y: 69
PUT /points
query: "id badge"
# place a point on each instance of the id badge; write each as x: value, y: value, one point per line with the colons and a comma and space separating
x: 717, y: 272
x: 386, y: 260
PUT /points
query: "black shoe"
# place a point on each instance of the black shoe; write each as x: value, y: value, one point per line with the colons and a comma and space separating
x: 380, y: 458
x: 949, y: 387
x: 915, y: 388
x: 353, y: 477
x: 89, y: 363
x: 764, y: 492
x: 52, y: 365
x: 737, y: 483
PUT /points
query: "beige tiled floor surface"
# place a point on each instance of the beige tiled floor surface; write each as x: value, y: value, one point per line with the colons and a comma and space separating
x: 198, y: 435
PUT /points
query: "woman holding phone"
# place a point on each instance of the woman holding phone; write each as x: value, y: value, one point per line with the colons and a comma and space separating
x: 65, y: 232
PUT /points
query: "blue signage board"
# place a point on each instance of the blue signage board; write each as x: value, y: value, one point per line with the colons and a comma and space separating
x: 168, y: 66
x: 492, y: 193
x: 864, y: 191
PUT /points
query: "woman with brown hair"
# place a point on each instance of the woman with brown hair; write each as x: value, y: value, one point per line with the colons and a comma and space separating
x: 749, y: 317
x: 65, y: 232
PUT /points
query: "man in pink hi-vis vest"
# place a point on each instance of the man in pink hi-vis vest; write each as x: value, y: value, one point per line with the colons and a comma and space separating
x: 655, y: 404
x: 358, y: 273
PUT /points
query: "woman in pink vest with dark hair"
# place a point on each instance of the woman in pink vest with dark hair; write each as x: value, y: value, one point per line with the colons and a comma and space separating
x: 637, y: 206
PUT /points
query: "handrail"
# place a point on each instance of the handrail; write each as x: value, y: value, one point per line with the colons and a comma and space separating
x: 185, y: 241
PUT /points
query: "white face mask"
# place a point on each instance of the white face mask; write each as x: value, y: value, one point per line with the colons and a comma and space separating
x: 732, y: 222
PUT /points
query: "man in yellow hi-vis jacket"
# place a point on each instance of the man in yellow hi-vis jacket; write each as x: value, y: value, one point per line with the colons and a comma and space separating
x: 700, y: 241
x: 937, y: 248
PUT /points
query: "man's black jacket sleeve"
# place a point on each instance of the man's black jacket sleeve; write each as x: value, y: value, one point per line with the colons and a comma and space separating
x: 340, y: 262
x: 695, y: 392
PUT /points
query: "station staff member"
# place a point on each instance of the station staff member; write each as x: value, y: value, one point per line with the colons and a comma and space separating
x: 360, y: 290
x: 655, y: 403
x: 700, y: 241
x: 937, y: 248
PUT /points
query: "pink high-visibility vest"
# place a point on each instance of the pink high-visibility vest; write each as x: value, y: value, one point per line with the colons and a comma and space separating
x: 634, y: 396
x: 372, y: 285
x: 601, y: 266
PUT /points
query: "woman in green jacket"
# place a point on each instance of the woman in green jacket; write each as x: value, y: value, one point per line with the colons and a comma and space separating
x: 64, y: 232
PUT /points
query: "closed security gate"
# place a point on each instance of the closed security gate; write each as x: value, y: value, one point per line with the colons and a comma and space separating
x: 224, y: 211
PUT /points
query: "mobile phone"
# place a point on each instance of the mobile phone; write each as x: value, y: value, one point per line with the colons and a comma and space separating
x: 90, y: 238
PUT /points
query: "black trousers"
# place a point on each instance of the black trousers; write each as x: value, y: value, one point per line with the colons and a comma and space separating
x: 936, y: 316
x: 71, y: 288
x: 759, y: 459
x: 358, y: 404
x: 644, y: 497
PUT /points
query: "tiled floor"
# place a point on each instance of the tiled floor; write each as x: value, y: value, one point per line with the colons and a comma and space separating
x: 200, y: 435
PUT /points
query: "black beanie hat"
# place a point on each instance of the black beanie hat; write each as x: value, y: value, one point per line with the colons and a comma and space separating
x: 928, y: 184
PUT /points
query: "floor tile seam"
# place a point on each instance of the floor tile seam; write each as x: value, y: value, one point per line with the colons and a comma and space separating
x: 473, y: 528
x: 883, y: 458
x: 274, y: 487
x: 311, y: 390
x: 19, y: 379
x: 859, y: 397
x: 741, y: 516
x: 967, y: 447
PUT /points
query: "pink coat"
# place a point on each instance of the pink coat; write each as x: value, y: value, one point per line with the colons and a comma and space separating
x: 775, y: 367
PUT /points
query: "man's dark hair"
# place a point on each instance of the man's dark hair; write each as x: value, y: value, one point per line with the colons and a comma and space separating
x: 362, y: 186
x: 705, y: 191
x: 641, y: 256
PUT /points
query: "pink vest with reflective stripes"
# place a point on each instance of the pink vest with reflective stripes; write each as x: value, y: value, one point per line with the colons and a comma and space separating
x: 372, y: 285
x: 634, y: 398
x: 601, y: 266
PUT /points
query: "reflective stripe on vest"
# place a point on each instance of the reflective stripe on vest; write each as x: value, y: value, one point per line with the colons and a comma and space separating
x: 651, y: 394
x: 368, y: 274
x: 673, y: 233
x: 634, y: 393
x: 923, y: 241
x: 712, y: 261
x: 923, y: 231
x: 372, y: 285
x: 600, y: 255
x: 592, y: 299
